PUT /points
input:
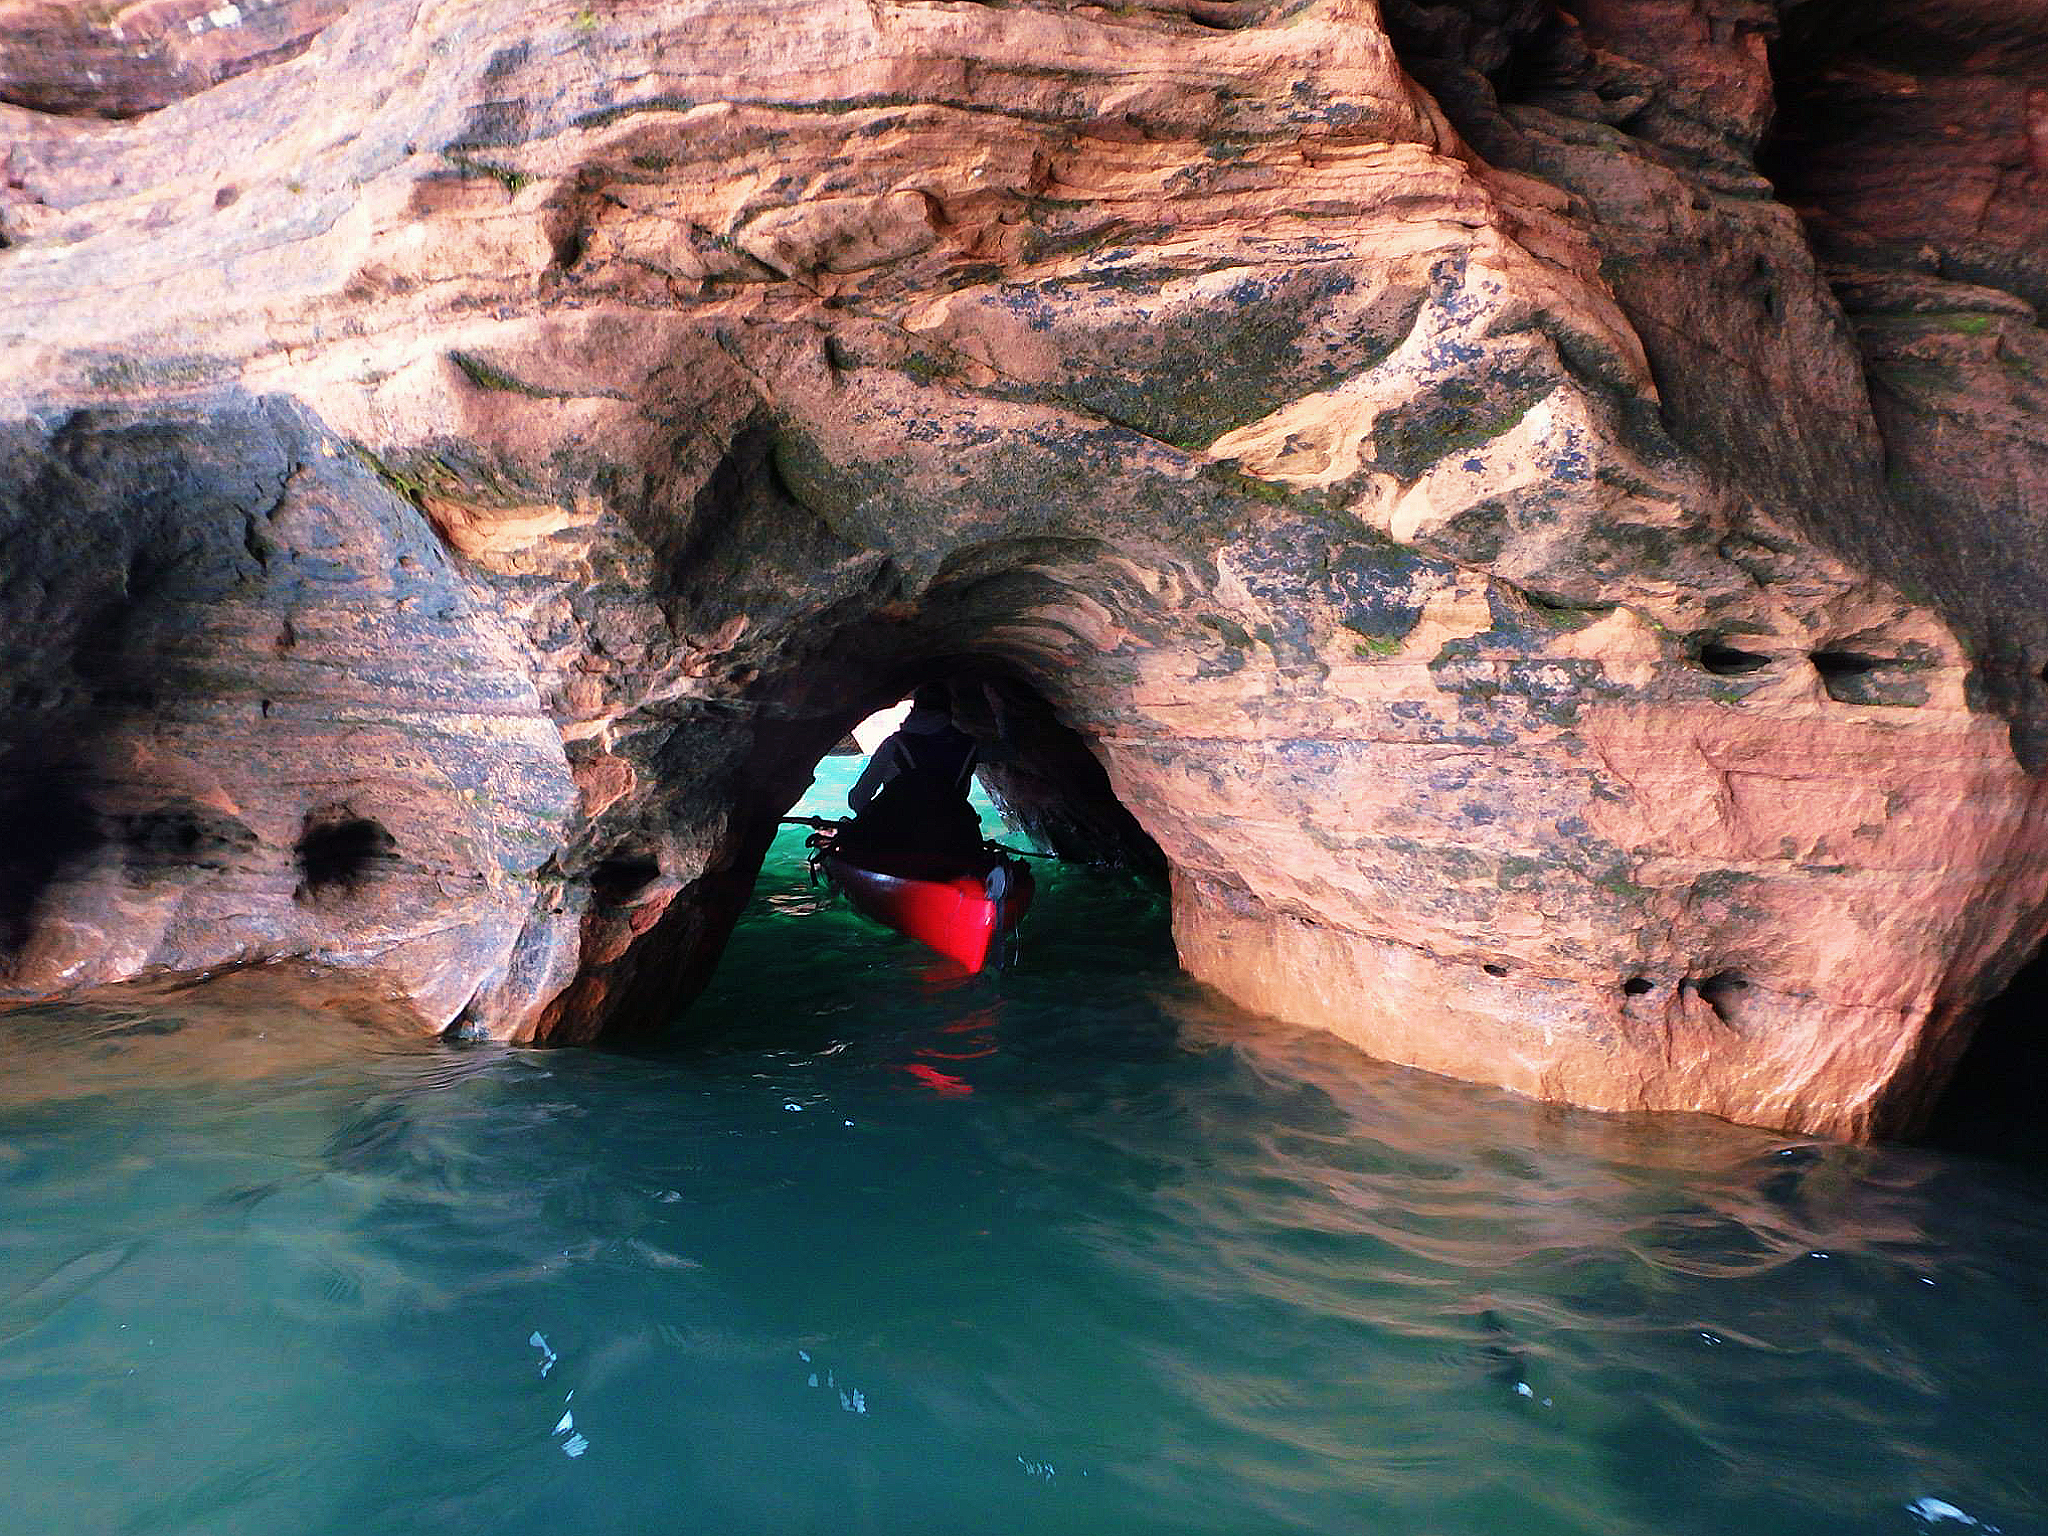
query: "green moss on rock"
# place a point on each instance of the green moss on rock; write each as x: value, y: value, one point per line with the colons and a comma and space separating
x: 512, y: 180
x: 1458, y: 416
x: 489, y: 376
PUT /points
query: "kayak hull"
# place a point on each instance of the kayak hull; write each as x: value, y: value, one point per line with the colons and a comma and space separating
x: 949, y: 912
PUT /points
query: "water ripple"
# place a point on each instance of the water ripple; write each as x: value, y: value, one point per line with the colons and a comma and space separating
x: 272, y: 1263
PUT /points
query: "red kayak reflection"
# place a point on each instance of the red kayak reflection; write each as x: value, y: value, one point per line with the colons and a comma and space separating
x: 937, y: 1081
x: 968, y: 1038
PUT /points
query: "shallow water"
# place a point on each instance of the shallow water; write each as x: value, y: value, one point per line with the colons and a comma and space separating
x: 1070, y: 1249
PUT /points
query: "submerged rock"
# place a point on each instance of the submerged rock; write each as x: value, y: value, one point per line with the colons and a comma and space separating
x: 1561, y: 601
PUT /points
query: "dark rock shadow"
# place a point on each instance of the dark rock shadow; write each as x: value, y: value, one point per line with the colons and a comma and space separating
x: 1993, y: 1105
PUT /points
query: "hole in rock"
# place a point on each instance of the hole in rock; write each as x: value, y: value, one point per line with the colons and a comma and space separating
x: 1041, y: 777
x: 1564, y: 607
x: 1856, y: 678
x: 1845, y: 663
x: 45, y: 826
x: 1730, y: 661
x: 1494, y: 970
x: 1037, y: 786
x: 1849, y: 677
x: 1720, y: 992
x: 1474, y: 59
x: 1992, y: 1102
x: 339, y: 852
x: 1636, y: 986
x: 623, y: 876
x: 182, y: 836
x: 1763, y: 286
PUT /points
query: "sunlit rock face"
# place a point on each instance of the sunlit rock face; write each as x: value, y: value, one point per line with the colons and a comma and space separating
x: 1565, y: 604
x: 108, y: 59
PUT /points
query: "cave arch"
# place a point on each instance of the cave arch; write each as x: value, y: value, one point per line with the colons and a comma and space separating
x: 1048, y: 789
x: 650, y: 943
x: 1048, y: 782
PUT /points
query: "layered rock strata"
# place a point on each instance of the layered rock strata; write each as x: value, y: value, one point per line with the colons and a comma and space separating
x: 1557, y: 628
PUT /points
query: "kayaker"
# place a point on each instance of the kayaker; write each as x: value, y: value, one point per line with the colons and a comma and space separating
x: 912, y: 796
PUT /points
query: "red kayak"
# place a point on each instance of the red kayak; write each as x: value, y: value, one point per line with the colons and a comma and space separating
x: 960, y: 913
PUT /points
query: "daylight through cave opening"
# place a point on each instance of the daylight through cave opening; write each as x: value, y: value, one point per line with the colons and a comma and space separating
x: 1048, y: 788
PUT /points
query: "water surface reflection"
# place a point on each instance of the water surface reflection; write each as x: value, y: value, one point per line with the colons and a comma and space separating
x: 1116, y: 1258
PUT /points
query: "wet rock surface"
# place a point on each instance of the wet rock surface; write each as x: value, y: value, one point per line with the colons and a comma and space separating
x: 256, y: 711
x: 1531, y: 509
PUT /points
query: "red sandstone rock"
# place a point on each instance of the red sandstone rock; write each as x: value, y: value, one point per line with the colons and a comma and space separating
x: 1537, y: 629
x: 124, y: 60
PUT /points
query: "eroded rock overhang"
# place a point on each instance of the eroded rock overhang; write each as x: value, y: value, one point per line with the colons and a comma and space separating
x: 509, y: 443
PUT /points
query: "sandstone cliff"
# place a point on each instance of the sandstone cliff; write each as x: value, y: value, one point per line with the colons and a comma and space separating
x: 1533, y: 507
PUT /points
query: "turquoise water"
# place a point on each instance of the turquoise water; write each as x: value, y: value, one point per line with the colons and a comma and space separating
x: 1075, y: 1248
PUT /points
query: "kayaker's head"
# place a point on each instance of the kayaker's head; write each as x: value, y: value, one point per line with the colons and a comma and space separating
x: 930, y: 707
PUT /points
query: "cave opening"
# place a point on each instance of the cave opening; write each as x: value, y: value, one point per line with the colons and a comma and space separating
x: 1036, y: 781
x: 683, y: 794
x: 339, y: 852
x: 1992, y: 1104
x: 798, y: 951
x: 1041, y: 774
x: 1809, y: 116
